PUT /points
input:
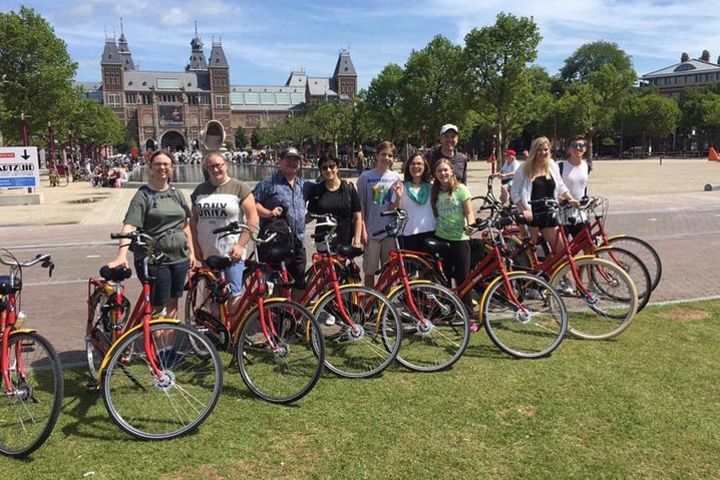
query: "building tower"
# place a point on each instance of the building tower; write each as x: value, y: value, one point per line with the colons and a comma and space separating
x: 111, y: 65
x: 124, y: 50
x: 197, y: 63
x: 344, y: 79
x: 220, y: 87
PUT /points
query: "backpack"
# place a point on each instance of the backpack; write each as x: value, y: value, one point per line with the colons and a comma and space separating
x: 282, y: 247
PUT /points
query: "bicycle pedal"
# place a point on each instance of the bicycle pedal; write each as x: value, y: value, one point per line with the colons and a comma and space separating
x: 92, y: 385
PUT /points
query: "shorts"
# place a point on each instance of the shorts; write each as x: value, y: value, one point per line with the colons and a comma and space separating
x: 296, y: 265
x: 544, y: 219
x: 234, y: 276
x: 169, y: 280
x: 416, y: 242
x: 377, y: 253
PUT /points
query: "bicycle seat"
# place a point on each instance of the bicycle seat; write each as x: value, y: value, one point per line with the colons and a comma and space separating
x: 7, y: 286
x: 433, y: 245
x: 218, y: 263
x: 117, y: 274
x: 348, y: 251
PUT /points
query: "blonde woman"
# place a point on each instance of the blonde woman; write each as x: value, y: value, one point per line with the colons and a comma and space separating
x: 539, y: 179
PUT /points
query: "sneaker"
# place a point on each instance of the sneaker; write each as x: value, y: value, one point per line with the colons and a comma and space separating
x: 566, y: 288
x: 257, y: 339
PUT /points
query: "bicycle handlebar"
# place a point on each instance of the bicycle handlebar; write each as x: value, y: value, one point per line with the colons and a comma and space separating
x: 44, y: 258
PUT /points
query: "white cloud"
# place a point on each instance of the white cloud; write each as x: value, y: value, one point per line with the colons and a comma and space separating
x: 175, y: 17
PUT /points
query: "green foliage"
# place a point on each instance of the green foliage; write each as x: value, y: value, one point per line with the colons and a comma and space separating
x: 256, y: 138
x: 431, y: 88
x: 498, y: 81
x: 95, y: 124
x: 384, y: 105
x: 38, y: 73
x: 240, y: 139
x: 648, y: 114
x: 590, y: 57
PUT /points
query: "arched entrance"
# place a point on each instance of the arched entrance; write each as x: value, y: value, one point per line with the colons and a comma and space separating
x: 172, y: 140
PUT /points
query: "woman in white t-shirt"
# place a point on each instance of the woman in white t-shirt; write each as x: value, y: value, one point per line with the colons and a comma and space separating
x: 575, y: 172
x: 414, y: 198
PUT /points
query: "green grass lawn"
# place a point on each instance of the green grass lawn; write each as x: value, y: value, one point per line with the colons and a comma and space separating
x: 645, y: 405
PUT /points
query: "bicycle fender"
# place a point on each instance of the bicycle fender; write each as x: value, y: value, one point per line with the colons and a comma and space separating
x: 249, y: 312
x: 331, y: 292
x: 22, y: 330
x: 562, y: 265
x: 113, y: 347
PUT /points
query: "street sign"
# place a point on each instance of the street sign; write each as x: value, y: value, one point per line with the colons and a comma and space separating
x: 19, y: 167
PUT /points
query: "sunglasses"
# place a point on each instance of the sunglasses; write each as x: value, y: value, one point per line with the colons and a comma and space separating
x: 217, y: 166
x: 577, y: 145
x: 328, y: 167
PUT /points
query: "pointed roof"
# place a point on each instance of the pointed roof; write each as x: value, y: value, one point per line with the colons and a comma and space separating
x: 198, y: 62
x: 124, y: 50
x: 297, y: 78
x: 111, y: 54
x: 344, y: 65
x: 217, y: 56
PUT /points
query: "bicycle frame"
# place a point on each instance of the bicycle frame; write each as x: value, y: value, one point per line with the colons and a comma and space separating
x: 8, y: 319
x: 322, y: 277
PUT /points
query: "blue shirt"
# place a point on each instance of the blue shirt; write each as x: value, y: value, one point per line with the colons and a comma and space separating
x: 275, y: 191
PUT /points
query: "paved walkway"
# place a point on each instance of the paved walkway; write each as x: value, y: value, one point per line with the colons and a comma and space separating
x: 664, y: 205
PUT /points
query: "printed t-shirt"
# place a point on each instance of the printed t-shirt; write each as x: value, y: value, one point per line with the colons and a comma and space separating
x: 376, y: 193
x: 450, y: 220
x: 216, y: 207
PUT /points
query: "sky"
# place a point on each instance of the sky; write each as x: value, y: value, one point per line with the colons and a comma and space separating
x: 265, y: 40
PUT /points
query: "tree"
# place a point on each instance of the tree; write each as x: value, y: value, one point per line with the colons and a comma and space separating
x: 590, y: 57
x: 384, y: 104
x: 648, y: 114
x: 256, y: 138
x: 496, y: 60
x: 38, y: 73
x: 96, y: 124
x: 431, y: 86
x: 329, y: 122
x: 240, y: 139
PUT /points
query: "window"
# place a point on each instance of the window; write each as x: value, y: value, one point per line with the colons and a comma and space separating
x: 296, y: 98
x: 221, y: 101
x: 236, y: 98
x: 204, y: 99
x: 192, y: 99
x: 252, y: 98
x: 147, y: 98
x: 267, y: 98
x: 168, y: 83
x: 114, y: 99
x: 282, y: 98
x: 132, y: 98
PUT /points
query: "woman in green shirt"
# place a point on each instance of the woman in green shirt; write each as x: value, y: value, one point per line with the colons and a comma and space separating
x: 162, y: 212
x: 453, y: 219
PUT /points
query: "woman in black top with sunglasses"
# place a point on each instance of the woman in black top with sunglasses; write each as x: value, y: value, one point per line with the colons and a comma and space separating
x: 338, y: 198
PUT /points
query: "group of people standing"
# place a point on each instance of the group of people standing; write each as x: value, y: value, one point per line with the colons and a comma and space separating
x: 432, y: 190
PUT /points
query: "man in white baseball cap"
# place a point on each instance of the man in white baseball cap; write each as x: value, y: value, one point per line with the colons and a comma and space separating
x: 448, y: 141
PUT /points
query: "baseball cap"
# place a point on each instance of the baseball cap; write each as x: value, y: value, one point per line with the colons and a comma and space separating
x: 510, y: 152
x: 449, y: 126
x: 290, y: 152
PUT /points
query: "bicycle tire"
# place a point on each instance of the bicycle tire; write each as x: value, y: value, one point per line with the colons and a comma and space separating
x: 634, y: 267
x: 97, y: 337
x: 28, y: 417
x: 437, y: 342
x: 190, y: 389
x: 367, y: 350
x: 642, y: 250
x: 532, y: 329
x: 602, y: 316
x: 267, y: 372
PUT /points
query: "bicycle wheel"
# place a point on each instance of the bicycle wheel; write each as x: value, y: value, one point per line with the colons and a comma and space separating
x: 29, y: 413
x: 523, y: 315
x: 610, y: 306
x: 437, y: 338
x: 370, y: 343
x: 287, y: 371
x: 102, y: 319
x: 149, y: 408
x: 201, y: 313
x: 644, y: 251
x: 633, y: 266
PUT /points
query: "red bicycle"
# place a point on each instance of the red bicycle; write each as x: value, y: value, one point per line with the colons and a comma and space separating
x: 156, y: 383
x: 362, y: 330
x: 436, y: 325
x: 276, y: 342
x: 30, y: 367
